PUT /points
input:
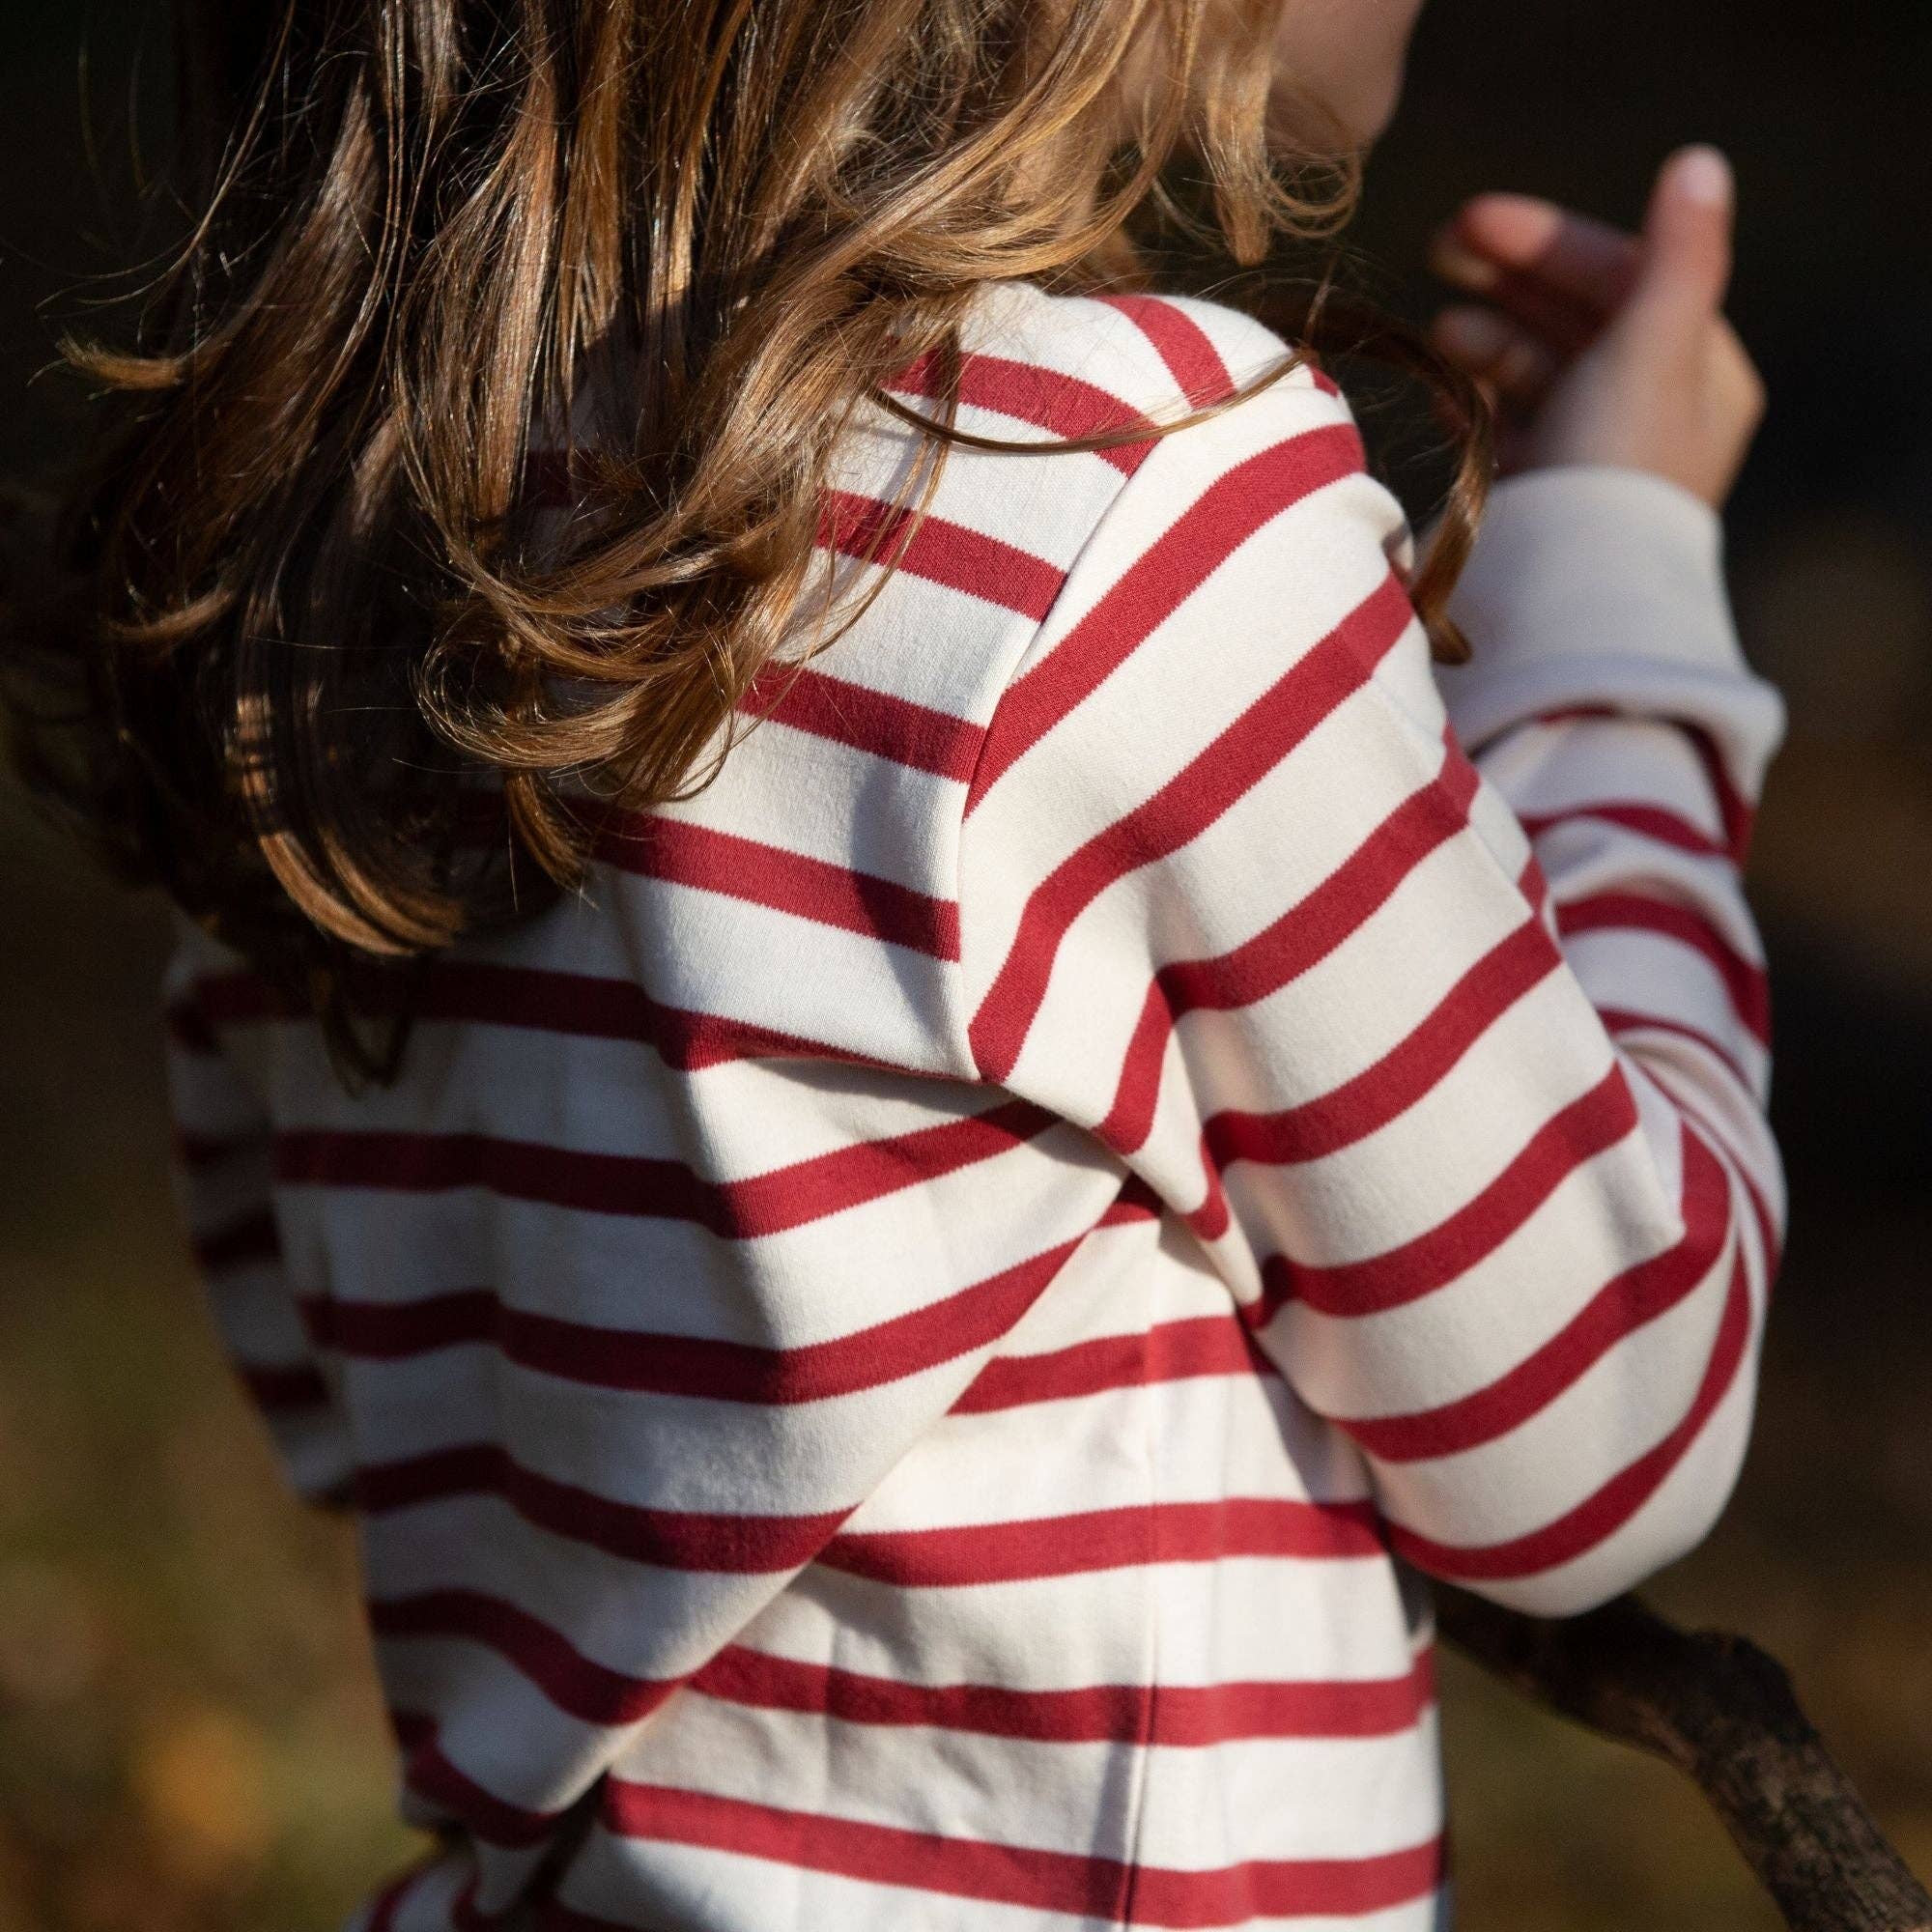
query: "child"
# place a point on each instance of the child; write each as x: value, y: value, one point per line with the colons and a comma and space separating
x: 916, y: 1122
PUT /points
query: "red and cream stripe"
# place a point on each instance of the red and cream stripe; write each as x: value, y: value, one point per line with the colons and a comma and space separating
x: 947, y: 1284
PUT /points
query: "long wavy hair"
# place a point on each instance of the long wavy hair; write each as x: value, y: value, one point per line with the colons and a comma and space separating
x: 318, y: 609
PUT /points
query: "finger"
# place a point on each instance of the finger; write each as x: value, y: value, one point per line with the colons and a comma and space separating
x: 1515, y: 364
x: 1686, y: 247
x: 1565, y: 325
x: 1560, y: 274
x: 1582, y: 261
x: 1739, y: 372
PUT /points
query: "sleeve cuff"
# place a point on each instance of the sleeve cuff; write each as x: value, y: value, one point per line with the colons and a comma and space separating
x: 1598, y: 586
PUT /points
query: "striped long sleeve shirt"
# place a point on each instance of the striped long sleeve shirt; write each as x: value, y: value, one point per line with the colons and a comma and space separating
x: 903, y: 1360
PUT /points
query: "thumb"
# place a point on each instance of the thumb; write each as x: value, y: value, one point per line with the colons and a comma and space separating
x: 1686, y: 247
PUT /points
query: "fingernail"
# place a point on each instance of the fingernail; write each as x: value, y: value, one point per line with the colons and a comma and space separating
x: 1704, y: 175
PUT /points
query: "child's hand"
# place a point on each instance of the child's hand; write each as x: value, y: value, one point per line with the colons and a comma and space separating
x: 1603, y: 346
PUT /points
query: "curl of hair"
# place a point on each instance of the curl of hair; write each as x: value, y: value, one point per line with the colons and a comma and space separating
x: 317, y: 605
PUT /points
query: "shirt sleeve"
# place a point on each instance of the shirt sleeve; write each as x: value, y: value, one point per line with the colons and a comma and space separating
x: 1431, y: 1003
x: 222, y: 1173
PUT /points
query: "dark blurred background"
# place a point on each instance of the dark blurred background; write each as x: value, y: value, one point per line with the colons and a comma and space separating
x: 189, y: 1734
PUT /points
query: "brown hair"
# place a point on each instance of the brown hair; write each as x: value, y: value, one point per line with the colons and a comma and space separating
x: 315, y: 604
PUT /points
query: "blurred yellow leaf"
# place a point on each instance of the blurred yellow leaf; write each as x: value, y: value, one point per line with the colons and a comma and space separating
x: 199, y: 1777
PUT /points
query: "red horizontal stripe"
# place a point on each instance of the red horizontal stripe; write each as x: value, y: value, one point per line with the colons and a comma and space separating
x: 1396, y: 1081
x: 1625, y: 1304
x: 1212, y: 1216
x: 1168, y: 1351
x: 411, y: 1729
x: 197, y: 1153
x: 1207, y: 533
x: 1604, y: 1512
x: 641, y: 1185
x: 388, y: 1901
x: 1083, y: 1886
x: 1653, y: 821
x: 544, y: 999
x: 1129, y: 1120
x: 1619, y: 1021
x: 1106, y: 1538
x: 466, y: 1916
x: 285, y: 1388
x: 1190, y: 354
x: 242, y: 1243
x: 1179, y: 812
x: 1635, y: 911
x: 1737, y: 811
x: 644, y: 1362
x: 895, y: 728
x: 942, y: 552
x: 1533, y: 885
x: 888, y: 534
x: 666, y: 1539
x: 1312, y: 928
x: 1734, y: 808
x: 1303, y: 935
x: 591, y: 1692
x: 681, y: 853
x: 431, y: 1774
x: 1172, y: 1716
x: 581, y: 1005
x: 1719, y: 1135
x: 189, y: 1028
x: 1595, y: 1121
x: 593, y: 1008
x: 553, y: 1915
x: 1175, y: 1716
x: 238, y: 997
x: 1186, y: 348
x: 1031, y: 393
x: 1286, y: 1888
x: 1136, y: 1202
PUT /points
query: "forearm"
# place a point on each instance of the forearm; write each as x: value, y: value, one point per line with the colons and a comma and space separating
x: 1621, y: 741
x: 1611, y: 708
